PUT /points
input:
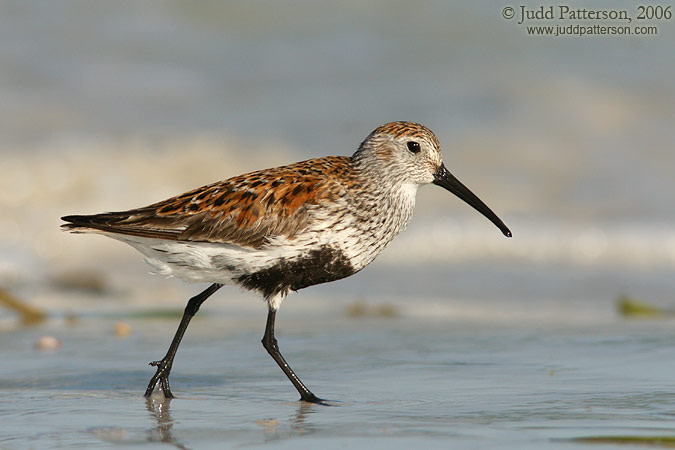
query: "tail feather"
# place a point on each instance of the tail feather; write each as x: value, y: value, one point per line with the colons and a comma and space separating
x: 102, y: 222
x: 115, y: 223
x: 77, y: 220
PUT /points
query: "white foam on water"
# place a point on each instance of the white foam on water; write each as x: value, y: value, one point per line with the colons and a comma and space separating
x: 641, y: 245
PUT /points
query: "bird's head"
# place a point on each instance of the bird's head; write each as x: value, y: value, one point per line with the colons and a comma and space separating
x: 408, y: 154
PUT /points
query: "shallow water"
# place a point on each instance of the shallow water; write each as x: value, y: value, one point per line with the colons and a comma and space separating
x: 483, y: 381
x: 503, y: 372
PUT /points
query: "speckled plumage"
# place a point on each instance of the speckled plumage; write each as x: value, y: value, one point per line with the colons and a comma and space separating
x: 227, y: 230
x: 289, y: 227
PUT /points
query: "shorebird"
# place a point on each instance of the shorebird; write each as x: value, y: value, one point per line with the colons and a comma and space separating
x: 286, y: 228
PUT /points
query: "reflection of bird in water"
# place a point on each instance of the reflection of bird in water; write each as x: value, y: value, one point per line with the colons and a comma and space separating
x: 160, y: 411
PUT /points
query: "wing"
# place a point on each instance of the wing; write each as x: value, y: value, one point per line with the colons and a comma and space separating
x: 247, y: 210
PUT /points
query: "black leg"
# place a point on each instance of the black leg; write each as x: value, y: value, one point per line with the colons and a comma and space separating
x: 270, y: 344
x: 164, y: 366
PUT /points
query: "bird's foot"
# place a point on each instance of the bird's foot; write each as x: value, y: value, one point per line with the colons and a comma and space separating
x: 311, y: 398
x: 161, y: 378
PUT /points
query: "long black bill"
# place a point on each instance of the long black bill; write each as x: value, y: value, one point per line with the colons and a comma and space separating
x: 446, y: 180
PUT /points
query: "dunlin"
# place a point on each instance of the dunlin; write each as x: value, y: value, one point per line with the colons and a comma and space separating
x: 287, y: 228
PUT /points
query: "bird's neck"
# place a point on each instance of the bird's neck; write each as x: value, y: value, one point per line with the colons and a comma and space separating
x: 385, y: 194
x: 382, y: 208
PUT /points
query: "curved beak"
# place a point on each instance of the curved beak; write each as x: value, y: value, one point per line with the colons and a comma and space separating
x: 446, y: 180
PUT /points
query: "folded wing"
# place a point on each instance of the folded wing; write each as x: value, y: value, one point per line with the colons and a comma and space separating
x: 247, y: 210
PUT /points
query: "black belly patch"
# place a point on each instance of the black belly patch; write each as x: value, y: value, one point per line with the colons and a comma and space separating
x: 318, y: 266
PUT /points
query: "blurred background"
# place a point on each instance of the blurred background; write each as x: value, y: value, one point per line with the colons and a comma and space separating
x: 114, y: 105
x: 109, y: 106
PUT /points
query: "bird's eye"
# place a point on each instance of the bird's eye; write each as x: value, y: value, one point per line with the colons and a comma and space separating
x: 413, y: 146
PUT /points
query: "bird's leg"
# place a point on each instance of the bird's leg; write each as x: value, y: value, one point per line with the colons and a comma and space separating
x: 270, y: 344
x: 164, y: 366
